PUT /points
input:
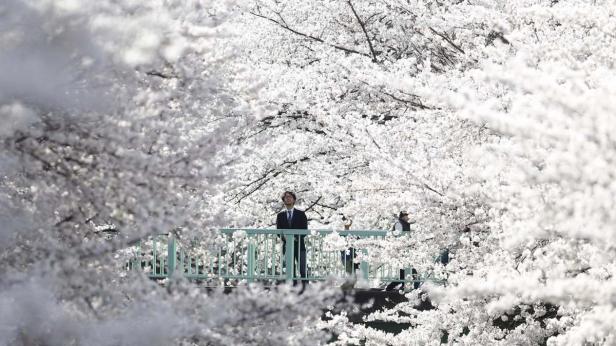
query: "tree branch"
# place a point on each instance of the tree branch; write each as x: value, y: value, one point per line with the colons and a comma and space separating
x: 314, y: 203
x: 410, y: 102
x: 444, y: 37
x: 363, y: 28
x: 308, y: 36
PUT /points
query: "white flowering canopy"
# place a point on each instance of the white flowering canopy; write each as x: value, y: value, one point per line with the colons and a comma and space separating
x: 491, y: 123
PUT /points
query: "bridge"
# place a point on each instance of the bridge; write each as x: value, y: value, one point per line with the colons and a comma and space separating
x: 238, y: 256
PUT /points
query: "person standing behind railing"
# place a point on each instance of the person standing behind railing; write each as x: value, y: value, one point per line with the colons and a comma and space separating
x: 348, y: 256
x: 403, y: 225
x: 291, y: 218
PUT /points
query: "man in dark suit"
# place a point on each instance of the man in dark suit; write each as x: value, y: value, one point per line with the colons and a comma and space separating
x: 403, y: 224
x: 291, y: 218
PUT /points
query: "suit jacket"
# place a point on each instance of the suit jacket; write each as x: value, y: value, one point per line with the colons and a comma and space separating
x: 298, y: 221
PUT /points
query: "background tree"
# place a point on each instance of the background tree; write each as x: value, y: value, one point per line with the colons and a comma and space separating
x: 491, y: 123
x: 486, y: 118
x: 114, y: 119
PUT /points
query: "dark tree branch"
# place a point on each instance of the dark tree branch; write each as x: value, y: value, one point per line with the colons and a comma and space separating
x: 270, y: 174
x: 259, y: 181
x: 314, y: 203
x: 433, y: 190
x: 373, y: 140
x: 326, y: 206
x: 493, y: 35
x: 363, y: 28
x: 65, y: 219
x: 159, y: 74
x: 308, y: 36
x: 410, y: 102
x: 444, y: 37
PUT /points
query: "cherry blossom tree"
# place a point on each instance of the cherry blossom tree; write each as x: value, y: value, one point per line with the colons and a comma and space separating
x: 490, y: 121
x: 115, y: 120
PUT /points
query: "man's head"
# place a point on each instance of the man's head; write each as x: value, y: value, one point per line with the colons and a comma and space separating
x: 404, y: 216
x: 347, y: 222
x: 288, y: 198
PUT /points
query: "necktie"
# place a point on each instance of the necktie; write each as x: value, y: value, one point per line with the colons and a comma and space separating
x: 289, y: 216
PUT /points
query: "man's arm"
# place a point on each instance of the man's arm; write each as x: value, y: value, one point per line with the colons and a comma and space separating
x: 278, y: 221
x: 304, y: 224
x: 279, y: 226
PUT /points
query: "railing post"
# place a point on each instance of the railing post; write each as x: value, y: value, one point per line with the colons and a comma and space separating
x: 171, y: 251
x: 251, y: 259
x: 364, y: 266
x: 138, y: 259
x: 409, y: 271
x: 289, y: 248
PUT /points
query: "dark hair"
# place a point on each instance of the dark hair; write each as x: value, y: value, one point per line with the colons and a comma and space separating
x: 402, y: 214
x: 290, y: 193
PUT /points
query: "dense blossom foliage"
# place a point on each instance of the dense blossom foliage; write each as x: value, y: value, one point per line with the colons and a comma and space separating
x: 115, y: 120
x: 492, y: 123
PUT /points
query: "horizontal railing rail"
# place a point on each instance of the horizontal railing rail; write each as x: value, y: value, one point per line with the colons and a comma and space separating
x: 361, y: 233
x: 246, y: 255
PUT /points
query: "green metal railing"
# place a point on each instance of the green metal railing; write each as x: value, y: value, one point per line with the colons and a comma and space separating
x: 246, y: 255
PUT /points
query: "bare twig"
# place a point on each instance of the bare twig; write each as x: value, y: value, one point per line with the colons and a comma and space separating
x: 363, y: 28
x: 317, y: 39
x: 444, y: 37
x: 314, y: 203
